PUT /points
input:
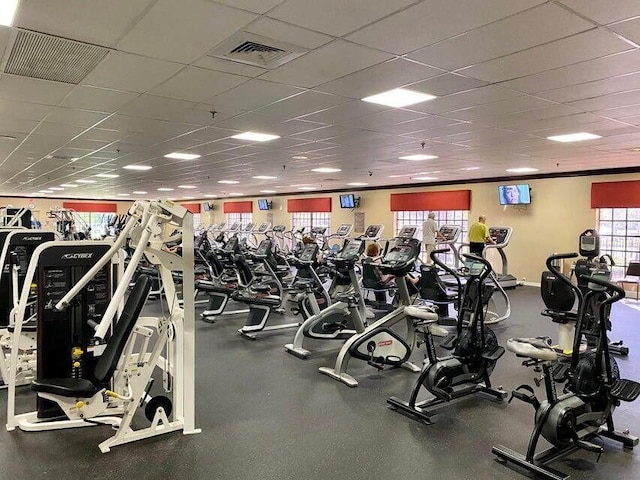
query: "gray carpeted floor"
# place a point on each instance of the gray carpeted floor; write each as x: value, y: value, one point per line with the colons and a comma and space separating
x: 268, y: 415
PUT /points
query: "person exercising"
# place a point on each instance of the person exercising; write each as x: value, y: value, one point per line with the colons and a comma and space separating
x: 479, y: 236
x: 430, y: 235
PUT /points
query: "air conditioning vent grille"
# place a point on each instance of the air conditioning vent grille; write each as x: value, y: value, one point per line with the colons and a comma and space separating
x: 255, y: 50
x: 56, y: 59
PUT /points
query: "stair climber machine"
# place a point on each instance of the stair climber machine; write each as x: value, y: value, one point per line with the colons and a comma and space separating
x: 341, y: 234
x: 474, y: 346
x: 451, y: 233
x: 16, y: 249
x: 278, y: 232
x: 593, y: 388
x: 307, y: 291
x: 594, y: 264
x: 344, y: 317
x: 224, y: 283
x: 378, y: 345
x: 266, y: 297
x: 93, y: 370
x: 501, y: 236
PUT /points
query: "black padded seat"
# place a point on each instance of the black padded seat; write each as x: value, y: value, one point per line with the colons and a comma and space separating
x: 266, y: 300
x: 83, y: 388
x: 25, y: 328
x: 207, y: 286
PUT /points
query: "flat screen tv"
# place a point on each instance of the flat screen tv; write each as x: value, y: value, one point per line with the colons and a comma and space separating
x: 263, y: 204
x: 206, y: 207
x: 347, y: 200
x: 515, y: 194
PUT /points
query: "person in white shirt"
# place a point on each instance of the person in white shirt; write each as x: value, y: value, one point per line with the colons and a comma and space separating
x: 430, y: 233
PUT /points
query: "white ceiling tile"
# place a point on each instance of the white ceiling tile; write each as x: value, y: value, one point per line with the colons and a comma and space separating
x: 608, y: 101
x: 28, y: 89
x: 24, y: 110
x: 10, y: 126
x: 325, y: 64
x: 346, y: 111
x: 604, y: 11
x: 257, y: 6
x: 622, y: 112
x: 70, y: 116
x: 103, y: 134
x: 132, y: 73
x: 59, y: 129
x: 525, y: 30
x: 303, y: 104
x: 97, y: 99
x: 276, y: 30
x: 228, y: 66
x: 581, y: 47
x: 447, y: 84
x: 593, y: 89
x: 499, y: 109
x: 151, y: 106
x: 93, y: 21
x: 183, y: 31
x: 253, y: 94
x: 379, y: 78
x: 336, y: 17
x: 197, y: 84
x: 629, y: 29
x: 389, y: 117
x: 445, y: 18
x: 469, y: 98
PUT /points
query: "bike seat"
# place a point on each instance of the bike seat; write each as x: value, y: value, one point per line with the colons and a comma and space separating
x: 422, y: 312
x: 538, y: 348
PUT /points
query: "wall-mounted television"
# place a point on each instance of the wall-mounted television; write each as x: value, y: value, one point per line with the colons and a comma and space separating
x: 514, y: 194
x: 207, y: 207
x: 348, y: 200
x: 264, y: 204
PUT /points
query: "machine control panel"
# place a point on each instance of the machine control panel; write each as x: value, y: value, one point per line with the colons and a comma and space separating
x: 297, y: 230
x: 234, y: 227
x: 248, y: 228
x: 309, y: 253
x: 318, y: 230
x: 263, y: 228
x: 500, y: 235
x: 372, y: 232
x: 279, y: 228
x: 352, y: 250
x: 408, y: 231
x: 264, y: 249
x: 451, y: 233
x: 343, y: 230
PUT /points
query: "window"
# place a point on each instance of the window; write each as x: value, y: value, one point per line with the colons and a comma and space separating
x: 98, y: 222
x: 619, y: 230
x: 444, y: 217
x: 196, y: 221
x: 241, y: 218
x: 311, y: 219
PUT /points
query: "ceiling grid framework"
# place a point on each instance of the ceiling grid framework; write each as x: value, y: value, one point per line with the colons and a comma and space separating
x: 507, y: 74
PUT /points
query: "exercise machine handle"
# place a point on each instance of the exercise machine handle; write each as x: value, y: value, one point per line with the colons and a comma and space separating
x: 618, y: 292
x: 484, y: 261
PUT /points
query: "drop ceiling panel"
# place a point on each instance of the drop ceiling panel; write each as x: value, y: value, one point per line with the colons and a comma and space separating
x: 335, y: 17
x: 344, y: 112
x: 594, y: 89
x: 32, y: 90
x: 446, y: 18
x: 152, y: 106
x: 477, y: 96
x: 254, y: 94
x: 525, y: 30
x: 379, y: 78
x: 603, y: 11
x: 11, y: 125
x: 97, y: 99
x: 197, y: 84
x: 183, y: 31
x: 285, y: 32
x: 608, y: 101
x: 92, y: 21
x: 629, y: 29
x: 552, y: 55
x: 327, y: 63
x: 131, y: 73
x: 72, y: 116
x: 228, y: 66
x: 257, y: 6
x: 303, y: 104
x: 389, y: 117
x: 447, y: 84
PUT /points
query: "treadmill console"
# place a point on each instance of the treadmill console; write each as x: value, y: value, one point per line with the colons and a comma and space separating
x: 343, y: 230
x: 264, y: 249
x: 318, y: 230
x: 297, y: 230
x: 474, y: 268
x: 451, y: 233
x: 401, y: 258
x: 248, y: 228
x: 279, y: 228
x: 232, y: 246
x: 263, y: 228
x: 234, y: 227
x: 220, y: 227
x: 589, y: 243
x: 500, y: 235
x: 372, y: 232
x: 309, y: 253
x: 352, y: 250
x: 408, y: 231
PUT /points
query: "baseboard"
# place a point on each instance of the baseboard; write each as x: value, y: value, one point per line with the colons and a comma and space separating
x: 531, y: 284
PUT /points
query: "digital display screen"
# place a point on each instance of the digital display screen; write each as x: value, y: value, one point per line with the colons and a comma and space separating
x: 347, y: 201
x: 206, y: 207
x: 343, y: 229
x: 352, y: 249
x: 398, y: 253
x: 372, y: 231
x: 263, y: 204
x: 517, y: 194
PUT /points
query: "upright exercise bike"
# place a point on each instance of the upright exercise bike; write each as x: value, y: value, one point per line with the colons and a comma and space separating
x: 475, y: 347
x: 593, y: 387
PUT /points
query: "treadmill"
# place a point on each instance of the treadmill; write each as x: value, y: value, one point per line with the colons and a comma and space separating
x: 501, y: 236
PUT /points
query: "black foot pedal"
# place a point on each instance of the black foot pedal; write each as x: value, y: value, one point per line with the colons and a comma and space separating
x: 560, y: 371
x: 625, y: 390
x: 449, y: 342
x: 493, y: 355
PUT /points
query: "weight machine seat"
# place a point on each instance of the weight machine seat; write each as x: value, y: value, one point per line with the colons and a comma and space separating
x: 538, y: 348
x: 83, y: 388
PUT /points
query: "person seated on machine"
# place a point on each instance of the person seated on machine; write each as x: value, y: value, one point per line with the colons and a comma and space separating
x: 372, y: 257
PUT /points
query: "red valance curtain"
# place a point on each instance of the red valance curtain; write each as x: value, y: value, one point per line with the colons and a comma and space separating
x: 615, y: 194
x: 422, y: 201
x: 237, y: 207
x: 91, y: 207
x: 318, y: 204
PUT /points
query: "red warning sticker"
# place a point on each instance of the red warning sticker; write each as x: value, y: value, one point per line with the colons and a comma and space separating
x: 385, y: 343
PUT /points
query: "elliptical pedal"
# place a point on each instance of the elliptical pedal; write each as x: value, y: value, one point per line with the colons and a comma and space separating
x: 625, y: 390
x: 449, y: 342
x: 494, y: 354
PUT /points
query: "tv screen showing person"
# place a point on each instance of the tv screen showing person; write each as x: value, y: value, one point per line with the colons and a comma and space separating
x: 514, y: 194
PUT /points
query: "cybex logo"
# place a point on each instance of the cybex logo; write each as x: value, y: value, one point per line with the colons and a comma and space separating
x: 385, y: 343
x: 31, y: 239
x: 76, y: 256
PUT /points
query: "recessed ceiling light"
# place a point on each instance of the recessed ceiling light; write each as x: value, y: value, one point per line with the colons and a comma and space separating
x: 522, y: 170
x: 37, y: 193
x: 255, y: 136
x: 7, y: 12
x: 306, y: 188
x: 123, y: 194
x: 182, y: 156
x: 236, y: 194
x: 211, y: 195
x: 470, y: 168
x: 264, y: 177
x: 107, y: 175
x: 326, y: 170
x: 398, y: 98
x: 267, y: 191
x: 425, y: 178
x: 86, y: 181
x: 46, y: 191
x: 188, y: 198
x: 574, y: 137
x: 299, y: 157
x: 138, y: 167
x: 57, y: 189
x: 165, y: 189
x: 69, y: 185
x: 418, y: 157
x: 188, y: 187
x: 139, y: 192
x: 228, y: 182
x: 357, y: 184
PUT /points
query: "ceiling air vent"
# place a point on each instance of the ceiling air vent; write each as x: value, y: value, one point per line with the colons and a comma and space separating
x: 57, y: 59
x: 255, y: 50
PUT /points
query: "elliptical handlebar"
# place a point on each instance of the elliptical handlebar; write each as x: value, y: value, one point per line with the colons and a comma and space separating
x: 618, y: 293
x: 487, y: 266
x: 552, y: 268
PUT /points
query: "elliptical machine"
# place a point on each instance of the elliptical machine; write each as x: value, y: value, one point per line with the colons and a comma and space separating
x: 593, y: 387
x: 475, y: 347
